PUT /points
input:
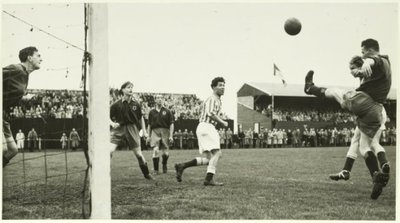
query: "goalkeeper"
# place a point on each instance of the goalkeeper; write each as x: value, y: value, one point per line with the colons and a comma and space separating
x: 366, y: 103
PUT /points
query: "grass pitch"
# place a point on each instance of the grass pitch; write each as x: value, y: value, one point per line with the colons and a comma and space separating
x: 289, y: 183
x: 58, y: 198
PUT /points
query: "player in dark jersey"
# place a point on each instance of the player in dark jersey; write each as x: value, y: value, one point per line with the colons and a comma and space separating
x: 126, y: 120
x: 365, y: 102
x: 160, y: 129
x: 15, y: 83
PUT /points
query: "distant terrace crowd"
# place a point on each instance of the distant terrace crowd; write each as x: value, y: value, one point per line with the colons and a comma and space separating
x: 182, y: 106
x: 49, y: 104
x: 69, y: 104
x: 305, y: 137
x: 303, y: 114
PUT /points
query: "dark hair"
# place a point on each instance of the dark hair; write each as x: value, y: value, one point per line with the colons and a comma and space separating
x: 24, y: 53
x: 370, y: 44
x: 124, y: 85
x: 215, y: 81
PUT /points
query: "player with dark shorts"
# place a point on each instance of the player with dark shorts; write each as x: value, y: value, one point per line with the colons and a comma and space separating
x: 160, y: 129
x: 126, y: 120
x: 365, y: 102
x: 15, y: 83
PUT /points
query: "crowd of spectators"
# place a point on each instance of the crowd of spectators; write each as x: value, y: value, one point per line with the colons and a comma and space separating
x: 49, y: 104
x: 182, y: 106
x: 302, y: 114
x: 313, y: 115
x: 306, y: 137
x: 69, y: 104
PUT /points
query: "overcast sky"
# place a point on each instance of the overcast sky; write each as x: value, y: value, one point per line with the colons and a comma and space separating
x: 180, y: 47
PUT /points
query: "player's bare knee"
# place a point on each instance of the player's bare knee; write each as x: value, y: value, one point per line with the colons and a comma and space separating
x: 208, y: 155
x: 364, y: 151
x: 377, y: 147
x: 156, y: 152
x: 216, y: 152
x: 352, y: 155
x: 201, y: 161
x: 165, y: 152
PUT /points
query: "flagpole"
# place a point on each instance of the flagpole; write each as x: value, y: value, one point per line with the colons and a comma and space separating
x: 273, y: 109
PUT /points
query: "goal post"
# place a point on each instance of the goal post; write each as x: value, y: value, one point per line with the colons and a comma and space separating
x: 99, y: 133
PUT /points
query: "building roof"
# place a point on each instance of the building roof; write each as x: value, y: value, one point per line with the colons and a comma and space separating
x: 291, y: 90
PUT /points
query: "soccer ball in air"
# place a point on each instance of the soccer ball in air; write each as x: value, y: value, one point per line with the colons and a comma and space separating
x: 292, y: 26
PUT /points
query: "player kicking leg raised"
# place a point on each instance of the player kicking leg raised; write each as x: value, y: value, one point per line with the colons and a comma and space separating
x: 126, y: 120
x: 365, y: 102
x: 207, y: 135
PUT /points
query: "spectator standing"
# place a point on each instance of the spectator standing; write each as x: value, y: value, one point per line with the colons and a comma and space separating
x: 176, y: 140
x: 392, y: 136
x: 32, y: 140
x: 289, y: 135
x: 64, y: 141
x: 185, y: 139
x: 279, y: 137
x: 384, y: 137
x: 313, y: 137
x: 274, y: 138
x: 222, y: 137
x: 285, y: 138
x: 191, y: 140
x: 296, y: 137
x: 261, y: 138
x: 20, y: 137
x: 39, y: 143
x: 229, y: 134
x: 269, y: 139
x: 255, y: 139
x: 241, y: 138
x: 180, y: 139
x: 74, y: 139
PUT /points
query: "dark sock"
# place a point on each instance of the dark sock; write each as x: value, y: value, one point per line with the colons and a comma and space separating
x: 140, y: 160
x: 372, y: 162
x: 310, y: 88
x: 209, y: 176
x: 145, y: 169
x: 348, y: 165
x: 156, y: 161
x: 382, y: 158
x: 317, y: 91
x: 190, y: 163
x: 165, y: 159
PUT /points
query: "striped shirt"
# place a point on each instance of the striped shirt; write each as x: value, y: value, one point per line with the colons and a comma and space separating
x: 211, y: 106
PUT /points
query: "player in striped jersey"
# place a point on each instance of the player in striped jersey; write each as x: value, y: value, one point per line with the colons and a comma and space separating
x: 207, y: 135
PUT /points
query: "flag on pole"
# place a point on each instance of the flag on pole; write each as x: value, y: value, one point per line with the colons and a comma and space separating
x: 278, y: 73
